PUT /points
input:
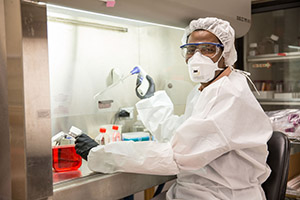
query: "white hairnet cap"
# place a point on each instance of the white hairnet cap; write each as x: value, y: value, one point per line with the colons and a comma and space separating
x: 221, y: 29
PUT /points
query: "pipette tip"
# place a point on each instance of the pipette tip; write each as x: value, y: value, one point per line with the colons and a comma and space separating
x: 135, y: 70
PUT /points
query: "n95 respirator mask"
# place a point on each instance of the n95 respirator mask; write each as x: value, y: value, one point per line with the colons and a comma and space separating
x: 201, y: 68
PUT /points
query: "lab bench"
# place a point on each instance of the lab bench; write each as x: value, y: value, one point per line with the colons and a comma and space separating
x: 295, y: 146
x: 89, y: 185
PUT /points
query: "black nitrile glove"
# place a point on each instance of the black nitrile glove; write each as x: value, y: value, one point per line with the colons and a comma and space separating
x: 83, y: 145
x: 150, y: 91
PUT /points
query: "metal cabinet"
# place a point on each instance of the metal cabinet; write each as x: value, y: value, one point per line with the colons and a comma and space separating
x: 272, y: 56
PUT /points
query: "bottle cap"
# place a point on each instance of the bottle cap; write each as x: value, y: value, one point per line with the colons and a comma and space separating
x: 102, y: 130
x: 274, y: 37
x: 115, y: 127
x: 74, y: 131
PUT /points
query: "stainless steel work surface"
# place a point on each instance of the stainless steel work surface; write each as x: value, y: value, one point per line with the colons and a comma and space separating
x: 63, y: 176
x: 106, y: 186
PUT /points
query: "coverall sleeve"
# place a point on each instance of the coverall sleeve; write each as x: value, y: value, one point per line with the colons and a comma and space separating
x: 198, y: 142
x: 157, y: 115
x: 136, y: 157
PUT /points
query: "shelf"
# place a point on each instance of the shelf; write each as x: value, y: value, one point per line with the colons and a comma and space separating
x: 292, y: 193
x: 274, y: 57
x: 293, y: 102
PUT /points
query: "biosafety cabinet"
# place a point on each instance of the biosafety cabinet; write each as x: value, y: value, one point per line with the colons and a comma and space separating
x: 272, y: 56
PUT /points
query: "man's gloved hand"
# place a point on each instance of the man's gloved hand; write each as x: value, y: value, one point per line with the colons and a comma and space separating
x: 151, y: 88
x: 83, y: 145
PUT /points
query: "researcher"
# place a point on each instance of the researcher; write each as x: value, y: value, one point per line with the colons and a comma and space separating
x: 218, y: 147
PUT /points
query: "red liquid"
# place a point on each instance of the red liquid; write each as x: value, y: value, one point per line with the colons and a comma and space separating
x: 65, y: 158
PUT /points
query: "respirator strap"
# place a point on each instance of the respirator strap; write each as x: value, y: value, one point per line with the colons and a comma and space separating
x: 221, y: 69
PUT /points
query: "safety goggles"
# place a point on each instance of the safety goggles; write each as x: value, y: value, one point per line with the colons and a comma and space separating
x: 208, y: 49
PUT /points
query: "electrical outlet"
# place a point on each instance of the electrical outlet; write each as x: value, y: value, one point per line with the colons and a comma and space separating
x: 126, y: 113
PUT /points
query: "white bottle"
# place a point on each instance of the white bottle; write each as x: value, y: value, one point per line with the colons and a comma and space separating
x: 253, y: 49
x: 138, y: 126
x: 116, y: 135
x: 275, y: 38
x: 103, y: 137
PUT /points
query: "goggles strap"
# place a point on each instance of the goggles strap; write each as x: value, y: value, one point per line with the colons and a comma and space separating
x: 246, y: 74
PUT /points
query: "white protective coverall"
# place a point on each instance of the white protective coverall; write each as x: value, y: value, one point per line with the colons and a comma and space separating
x: 217, y: 148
